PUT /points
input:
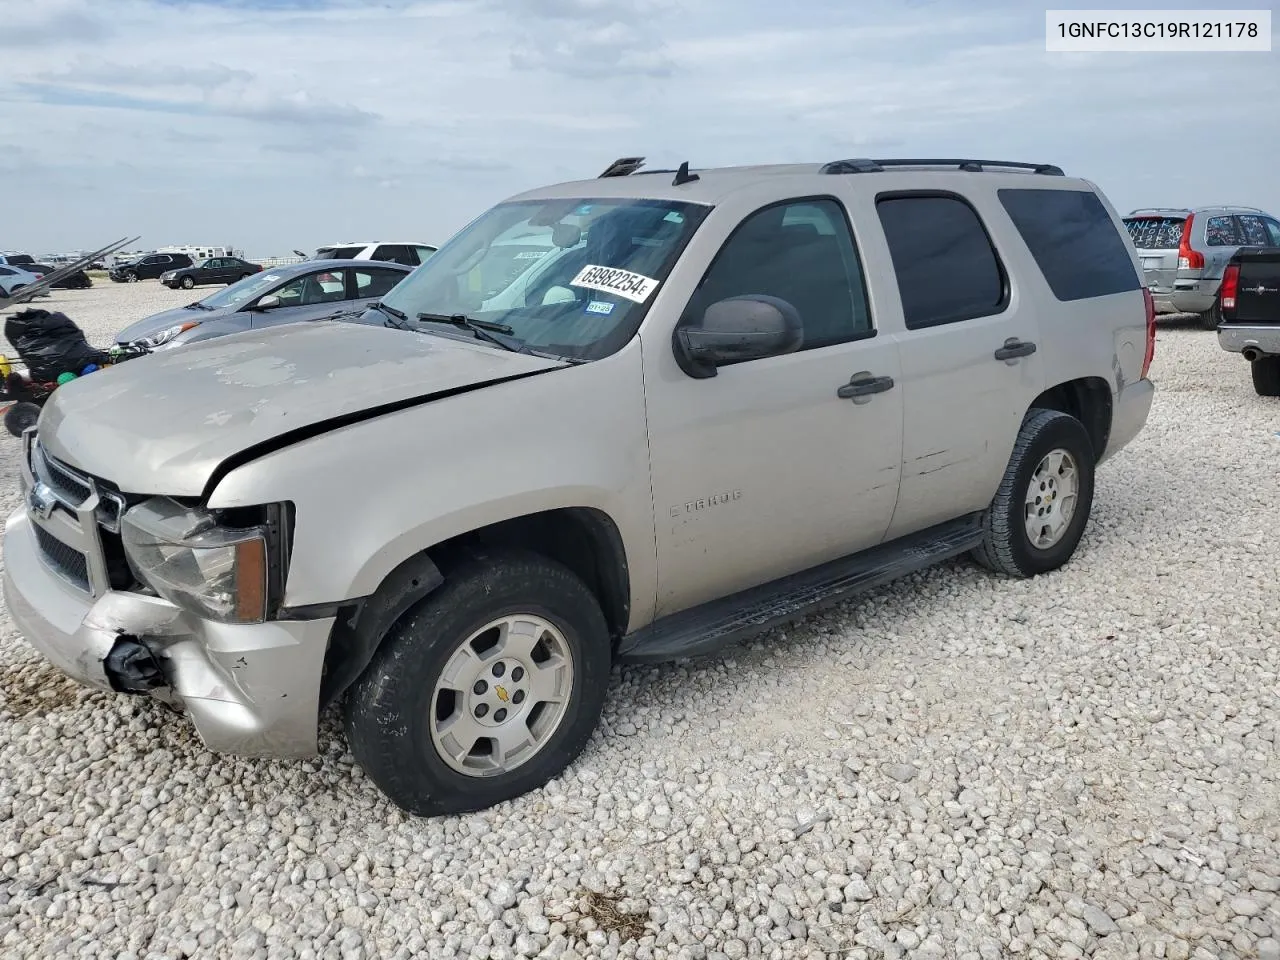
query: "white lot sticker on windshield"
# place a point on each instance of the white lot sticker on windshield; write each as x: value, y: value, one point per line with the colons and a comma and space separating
x: 634, y: 286
x: 271, y: 276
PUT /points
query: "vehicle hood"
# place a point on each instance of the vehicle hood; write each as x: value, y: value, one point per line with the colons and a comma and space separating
x: 164, y: 423
x: 149, y: 326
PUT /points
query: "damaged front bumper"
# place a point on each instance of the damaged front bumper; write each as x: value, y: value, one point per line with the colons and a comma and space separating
x: 249, y: 689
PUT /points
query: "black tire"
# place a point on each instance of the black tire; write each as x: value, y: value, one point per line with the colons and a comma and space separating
x: 243, y: 276
x: 20, y: 416
x: 387, y: 711
x: 1210, y: 319
x: 1007, y: 547
x: 187, y: 283
x: 1266, y: 376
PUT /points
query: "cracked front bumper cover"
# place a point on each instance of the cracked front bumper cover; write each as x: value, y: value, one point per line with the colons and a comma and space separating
x: 249, y: 689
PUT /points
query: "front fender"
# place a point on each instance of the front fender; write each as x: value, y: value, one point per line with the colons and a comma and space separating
x: 369, y: 496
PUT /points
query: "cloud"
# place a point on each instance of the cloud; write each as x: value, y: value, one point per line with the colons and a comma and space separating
x: 614, y: 50
x: 249, y: 118
x: 243, y: 100
x: 98, y: 72
x: 51, y: 23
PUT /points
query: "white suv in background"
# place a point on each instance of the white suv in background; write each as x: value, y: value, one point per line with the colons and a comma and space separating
x: 410, y: 253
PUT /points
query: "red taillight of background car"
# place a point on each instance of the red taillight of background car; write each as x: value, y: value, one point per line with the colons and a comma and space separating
x: 1230, y: 286
x: 1188, y: 259
x: 1151, y: 331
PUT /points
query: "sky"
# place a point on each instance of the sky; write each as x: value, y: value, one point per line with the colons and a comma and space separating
x: 274, y: 125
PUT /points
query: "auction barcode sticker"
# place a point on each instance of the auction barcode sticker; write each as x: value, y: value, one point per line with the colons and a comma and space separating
x: 1157, y: 31
x: 634, y: 286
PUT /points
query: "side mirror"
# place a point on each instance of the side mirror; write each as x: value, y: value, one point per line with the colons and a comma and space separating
x: 267, y: 302
x: 739, y: 328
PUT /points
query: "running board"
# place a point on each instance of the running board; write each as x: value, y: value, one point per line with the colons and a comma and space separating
x: 712, y: 626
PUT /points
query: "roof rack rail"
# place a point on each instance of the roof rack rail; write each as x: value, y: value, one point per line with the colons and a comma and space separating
x: 864, y: 165
x: 1138, y: 210
x: 1233, y: 206
x: 622, y: 167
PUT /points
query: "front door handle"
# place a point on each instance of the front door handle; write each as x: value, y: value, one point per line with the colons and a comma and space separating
x: 1014, y: 348
x: 863, y: 385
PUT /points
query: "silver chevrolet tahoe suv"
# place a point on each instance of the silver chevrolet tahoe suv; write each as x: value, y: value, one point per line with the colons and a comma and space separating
x: 715, y: 401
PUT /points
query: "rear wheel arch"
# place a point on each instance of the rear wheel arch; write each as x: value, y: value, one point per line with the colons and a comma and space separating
x: 1089, y: 400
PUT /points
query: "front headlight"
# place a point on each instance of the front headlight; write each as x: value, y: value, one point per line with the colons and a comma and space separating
x: 213, y: 571
x: 167, y: 334
x: 167, y: 275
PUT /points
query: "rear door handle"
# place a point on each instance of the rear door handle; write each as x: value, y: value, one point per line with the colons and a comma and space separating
x: 863, y: 385
x: 1014, y: 348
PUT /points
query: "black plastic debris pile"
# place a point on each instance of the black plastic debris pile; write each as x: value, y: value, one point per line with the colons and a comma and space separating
x: 51, y: 345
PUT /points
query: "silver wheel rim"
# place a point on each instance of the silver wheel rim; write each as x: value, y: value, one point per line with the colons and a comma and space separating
x: 1051, y: 501
x: 502, y: 695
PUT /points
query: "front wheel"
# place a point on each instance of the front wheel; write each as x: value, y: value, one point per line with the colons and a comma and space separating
x: 1042, y: 506
x: 187, y: 283
x: 131, y: 278
x: 1266, y: 376
x: 486, y: 690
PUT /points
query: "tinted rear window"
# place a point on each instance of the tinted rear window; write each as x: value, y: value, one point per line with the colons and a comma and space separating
x: 947, y: 269
x: 1074, y: 242
x: 337, y: 253
x: 1155, y: 233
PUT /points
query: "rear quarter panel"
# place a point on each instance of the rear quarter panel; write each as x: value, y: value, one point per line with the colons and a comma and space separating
x: 1104, y: 337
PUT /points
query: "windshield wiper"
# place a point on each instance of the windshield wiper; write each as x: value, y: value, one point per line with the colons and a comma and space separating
x: 498, y: 333
x: 196, y: 306
x: 396, y: 317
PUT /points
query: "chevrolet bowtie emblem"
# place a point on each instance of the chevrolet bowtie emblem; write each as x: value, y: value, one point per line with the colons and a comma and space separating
x: 41, y: 500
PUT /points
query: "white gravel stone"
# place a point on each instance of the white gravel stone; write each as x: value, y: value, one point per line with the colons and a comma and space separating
x: 956, y: 765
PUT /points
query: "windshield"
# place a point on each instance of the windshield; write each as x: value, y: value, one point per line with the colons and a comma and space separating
x: 241, y: 291
x: 567, y: 277
x: 337, y: 253
x: 1155, y: 233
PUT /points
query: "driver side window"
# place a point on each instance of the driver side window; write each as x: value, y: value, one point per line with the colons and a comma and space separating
x: 801, y: 252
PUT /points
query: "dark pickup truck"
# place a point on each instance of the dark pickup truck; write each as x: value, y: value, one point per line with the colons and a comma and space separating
x: 1250, y: 297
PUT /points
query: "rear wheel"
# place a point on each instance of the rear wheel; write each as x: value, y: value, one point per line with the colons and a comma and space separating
x: 187, y: 282
x: 20, y: 416
x: 1210, y: 319
x: 1042, y: 506
x: 243, y: 276
x: 486, y: 690
x: 1266, y: 376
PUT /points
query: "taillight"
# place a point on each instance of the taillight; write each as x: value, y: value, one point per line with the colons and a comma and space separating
x: 1151, y: 331
x: 1188, y: 259
x: 1230, y: 284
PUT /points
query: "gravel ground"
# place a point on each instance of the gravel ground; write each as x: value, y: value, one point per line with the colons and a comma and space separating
x: 956, y: 766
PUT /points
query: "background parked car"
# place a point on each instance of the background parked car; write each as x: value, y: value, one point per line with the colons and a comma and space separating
x: 1251, y: 314
x: 148, y: 267
x: 409, y: 253
x: 213, y: 270
x: 1184, y: 251
x: 13, y: 278
x: 301, y: 291
x: 76, y: 281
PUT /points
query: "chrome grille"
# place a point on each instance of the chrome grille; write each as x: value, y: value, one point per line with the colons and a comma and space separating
x: 68, y: 485
x: 73, y: 488
x: 64, y: 560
